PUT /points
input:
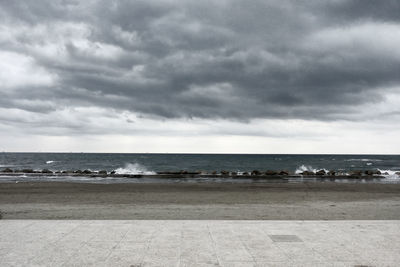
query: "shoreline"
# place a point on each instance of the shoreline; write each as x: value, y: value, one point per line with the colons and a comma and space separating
x: 184, y: 175
x: 198, y: 201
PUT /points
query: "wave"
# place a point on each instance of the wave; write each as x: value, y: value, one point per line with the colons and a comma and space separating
x: 304, y: 168
x: 390, y: 174
x: 364, y: 160
x: 134, y: 168
x: 50, y: 161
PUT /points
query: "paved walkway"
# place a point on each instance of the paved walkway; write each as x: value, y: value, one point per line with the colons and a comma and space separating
x: 199, y: 243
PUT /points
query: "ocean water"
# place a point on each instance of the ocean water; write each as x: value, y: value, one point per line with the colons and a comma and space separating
x: 151, y: 163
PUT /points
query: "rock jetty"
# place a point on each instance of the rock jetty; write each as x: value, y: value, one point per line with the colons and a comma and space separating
x: 254, y: 174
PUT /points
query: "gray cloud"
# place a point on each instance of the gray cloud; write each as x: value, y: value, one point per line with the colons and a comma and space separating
x: 235, y: 60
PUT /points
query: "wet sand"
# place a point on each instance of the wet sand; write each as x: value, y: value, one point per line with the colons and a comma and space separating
x: 272, y: 201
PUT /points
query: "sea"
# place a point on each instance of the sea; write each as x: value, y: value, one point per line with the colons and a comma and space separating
x: 150, y: 163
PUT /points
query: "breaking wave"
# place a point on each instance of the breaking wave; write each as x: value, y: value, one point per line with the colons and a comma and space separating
x: 50, y: 161
x: 389, y: 174
x: 304, y: 168
x: 364, y: 160
x: 134, y: 168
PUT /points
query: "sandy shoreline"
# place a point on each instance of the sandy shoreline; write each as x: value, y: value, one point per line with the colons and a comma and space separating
x: 277, y: 201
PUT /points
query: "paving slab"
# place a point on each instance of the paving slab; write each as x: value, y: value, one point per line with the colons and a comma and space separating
x: 135, y: 243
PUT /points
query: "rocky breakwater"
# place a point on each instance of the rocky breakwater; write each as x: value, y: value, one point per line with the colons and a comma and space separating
x: 254, y: 174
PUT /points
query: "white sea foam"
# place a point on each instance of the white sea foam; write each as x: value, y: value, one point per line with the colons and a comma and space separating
x: 303, y: 168
x: 308, y: 168
x: 390, y: 174
x: 133, y: 168
x: 49, y: 161
x: 364, y: 160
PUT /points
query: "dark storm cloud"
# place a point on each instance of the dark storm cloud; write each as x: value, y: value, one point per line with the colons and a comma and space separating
x: 207, y: 59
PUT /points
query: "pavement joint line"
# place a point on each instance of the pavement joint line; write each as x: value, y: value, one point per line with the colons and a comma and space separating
x: 247, y: 248
x: 214, y: 245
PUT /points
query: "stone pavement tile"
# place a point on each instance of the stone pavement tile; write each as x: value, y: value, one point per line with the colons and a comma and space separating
x: 380, y: 255
x: 234, y: 251
x: 350, y: 264
x: 104, y: 245
x: 273, y: 264
x: 21, y: 252
x: 139, y: 234
x: 388, y: 264
x: 251, y: 244
x: 83, y: 232
x: 88, y: 256
x: 125, y: 258
x: 198, y: 253
x: 111, y: 232
x: 300, y: 252
x: 334, y: 253
x: 5, y: 248
x: 54, y: 256
x: 238, y: 263
x: 131, y: 246
x: 156, y: 262
x: 161, y: 253
x: 272, y: 254
x: 188, y: 263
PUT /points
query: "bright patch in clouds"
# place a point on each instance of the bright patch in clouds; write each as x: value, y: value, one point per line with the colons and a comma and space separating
x: 20, y: 70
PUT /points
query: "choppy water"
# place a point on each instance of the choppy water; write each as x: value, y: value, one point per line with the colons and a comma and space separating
x: 149, y: 163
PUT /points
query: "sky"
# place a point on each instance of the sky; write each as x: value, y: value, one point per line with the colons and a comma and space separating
x: 226, y: 76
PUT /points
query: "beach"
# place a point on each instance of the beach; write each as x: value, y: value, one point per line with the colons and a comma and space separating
x: 200, y: 201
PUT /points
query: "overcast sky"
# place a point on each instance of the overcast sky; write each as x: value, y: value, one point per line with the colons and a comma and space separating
x: 223, y: 76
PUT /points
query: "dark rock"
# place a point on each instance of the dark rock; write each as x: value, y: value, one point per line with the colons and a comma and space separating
x: 308, y: 173
x: 234, y: 173
x: 214, y: 172
x: 183, y: 172
x: 46, y: 171
x: 369, y: 172
x: 321, y: 172
x: 331, y: 173
x: 397, y: 173
x: 377, y: 172
x: 245, y: 173
x: 271, y: 172
x: 103, y: 172
x: 255, y: 173
x: 284, y: 172
x: 193, y: 173
x: 112, y: 172
x: 64, y: 172
x: 224, y: 173
x: 27, y: 171
x: 87, y: 172
x: 356, y: 173
x: 78, y: 171
x: 7, y: 170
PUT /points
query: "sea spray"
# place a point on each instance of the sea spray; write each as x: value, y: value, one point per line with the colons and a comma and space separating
x: 304, y: 168
x: 390, y: 174
x: 308, y: 168
x: 134, y: 168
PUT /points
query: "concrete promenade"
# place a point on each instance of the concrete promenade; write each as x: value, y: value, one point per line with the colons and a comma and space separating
x: 198, y: 243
